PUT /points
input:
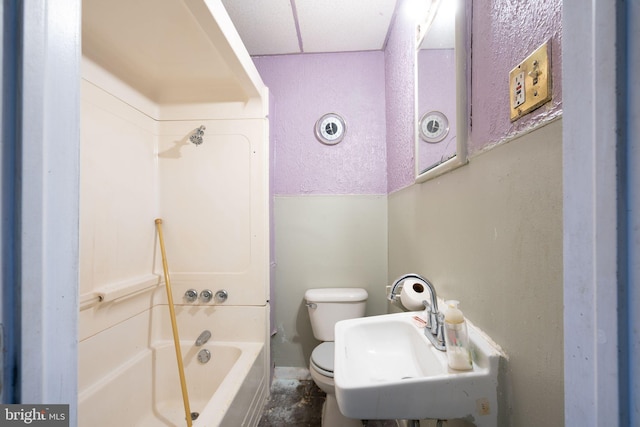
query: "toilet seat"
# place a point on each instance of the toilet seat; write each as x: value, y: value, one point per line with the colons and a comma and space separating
x: 322, y: 358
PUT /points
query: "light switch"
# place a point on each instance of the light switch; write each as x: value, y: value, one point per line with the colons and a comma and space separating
x: 530, y: 83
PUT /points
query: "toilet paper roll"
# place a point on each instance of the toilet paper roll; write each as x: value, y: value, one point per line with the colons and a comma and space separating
x: 412, y: 295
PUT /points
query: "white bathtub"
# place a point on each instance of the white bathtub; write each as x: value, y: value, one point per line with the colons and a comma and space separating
x: 145, y: 391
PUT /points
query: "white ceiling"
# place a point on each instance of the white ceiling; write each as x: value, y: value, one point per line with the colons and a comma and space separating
x: 274, y: 27
x: 170, y: 51
x: 143, y: 42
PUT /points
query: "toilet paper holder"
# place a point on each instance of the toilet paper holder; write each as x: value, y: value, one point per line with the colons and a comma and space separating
x: 394, y: 292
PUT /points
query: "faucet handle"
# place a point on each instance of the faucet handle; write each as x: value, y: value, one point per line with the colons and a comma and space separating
x: 440, y: 328
x: 206, y: 295
x: 427, y: 307
x: 221, y: 296
x: 191, y: 295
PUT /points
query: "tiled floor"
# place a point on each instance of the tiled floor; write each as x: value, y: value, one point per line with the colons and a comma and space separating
x: 298, y: 403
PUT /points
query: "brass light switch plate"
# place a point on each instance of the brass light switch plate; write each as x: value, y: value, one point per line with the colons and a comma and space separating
x: 530, y: 83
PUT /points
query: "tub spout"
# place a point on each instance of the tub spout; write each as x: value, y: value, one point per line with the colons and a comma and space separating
x: 203, y: 338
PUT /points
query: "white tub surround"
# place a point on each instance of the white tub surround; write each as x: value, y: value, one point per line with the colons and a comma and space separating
x: 152, y: 74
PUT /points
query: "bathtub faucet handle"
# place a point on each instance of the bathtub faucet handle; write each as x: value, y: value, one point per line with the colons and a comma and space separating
x: 206, y: 295
x: 191, y: 295
x: 221, y: 295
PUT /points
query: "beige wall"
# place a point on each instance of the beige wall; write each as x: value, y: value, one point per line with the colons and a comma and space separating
x: 321, y: 242
x: 490, y: 235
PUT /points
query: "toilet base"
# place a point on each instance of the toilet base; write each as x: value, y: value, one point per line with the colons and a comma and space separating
x: 332, y: 417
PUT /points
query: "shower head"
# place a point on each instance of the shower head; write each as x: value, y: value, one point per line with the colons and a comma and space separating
x: 196, y: 136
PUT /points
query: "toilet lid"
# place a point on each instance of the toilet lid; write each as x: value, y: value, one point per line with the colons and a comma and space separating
x: 322, y: 356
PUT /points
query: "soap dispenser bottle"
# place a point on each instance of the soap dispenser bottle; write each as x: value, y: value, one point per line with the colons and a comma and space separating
x: 456, y: 338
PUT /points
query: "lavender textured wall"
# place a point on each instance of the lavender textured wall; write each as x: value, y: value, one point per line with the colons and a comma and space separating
x: 504, y: 33
x: 400, y: 91
x: 304, y: 88
x: 377, y: 156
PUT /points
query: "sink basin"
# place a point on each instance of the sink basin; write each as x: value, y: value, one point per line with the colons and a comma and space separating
x: 385, y: 368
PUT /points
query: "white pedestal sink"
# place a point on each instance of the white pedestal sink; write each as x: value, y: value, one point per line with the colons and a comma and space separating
x: 385, y: 368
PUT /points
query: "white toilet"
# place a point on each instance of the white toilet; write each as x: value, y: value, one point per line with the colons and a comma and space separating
x: 326, y: 307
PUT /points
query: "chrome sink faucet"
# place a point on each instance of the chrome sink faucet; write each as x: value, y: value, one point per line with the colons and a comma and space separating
x: 434, y: 330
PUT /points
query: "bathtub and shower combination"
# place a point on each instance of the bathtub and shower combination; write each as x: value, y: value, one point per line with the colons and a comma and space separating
x: 173, y: 126
x: 143, y: 388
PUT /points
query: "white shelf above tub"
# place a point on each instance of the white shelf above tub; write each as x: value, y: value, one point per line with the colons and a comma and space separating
x: 171, y: 51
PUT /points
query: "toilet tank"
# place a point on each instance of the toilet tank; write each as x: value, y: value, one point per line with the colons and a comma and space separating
x: 327, y: 306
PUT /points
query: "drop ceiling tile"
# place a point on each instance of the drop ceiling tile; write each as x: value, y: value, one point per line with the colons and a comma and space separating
x: 265, y: 27
x: 340, y: 26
